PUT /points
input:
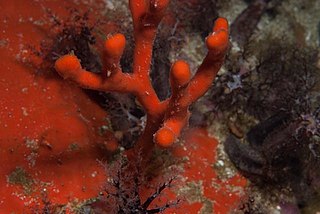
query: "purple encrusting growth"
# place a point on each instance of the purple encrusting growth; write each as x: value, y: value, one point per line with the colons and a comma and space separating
x: 244, y: 25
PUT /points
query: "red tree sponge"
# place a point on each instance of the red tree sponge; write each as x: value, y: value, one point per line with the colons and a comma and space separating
x: 68, y: 65
x: 180, y: 73
x: 165, y: 118
x: 218, y: 40
x: 164, y: 137
x: 114, y: 45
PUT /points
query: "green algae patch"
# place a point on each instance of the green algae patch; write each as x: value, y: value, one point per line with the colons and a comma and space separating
x: 74, y: 147
x: 19, y: 176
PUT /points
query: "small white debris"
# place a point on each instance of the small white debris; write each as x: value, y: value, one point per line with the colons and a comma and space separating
x: 94, y: 174
x: 24, y: 111
x: 24, y: 90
